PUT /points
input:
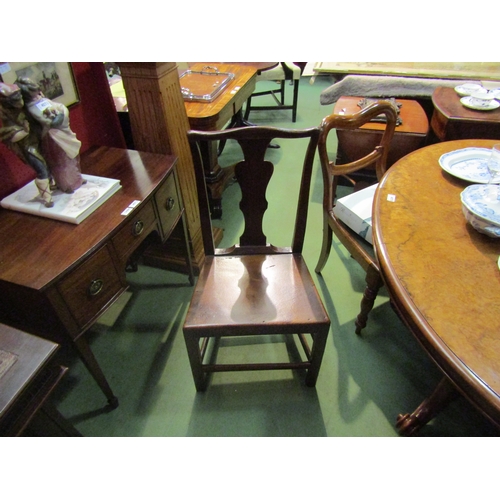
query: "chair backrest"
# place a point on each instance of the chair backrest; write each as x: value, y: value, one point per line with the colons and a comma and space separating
x: 378, y: 157
x: 283, y: 71
x: 253, y: 174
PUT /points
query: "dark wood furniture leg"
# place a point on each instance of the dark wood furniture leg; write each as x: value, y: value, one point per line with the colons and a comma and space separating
x: 409, y: 424
x: 316, y: 356
x: 373, y: 284
x: 326, y: 246
x: 88, y: 358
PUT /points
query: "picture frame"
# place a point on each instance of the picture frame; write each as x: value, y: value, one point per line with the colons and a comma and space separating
x: 56, y: 79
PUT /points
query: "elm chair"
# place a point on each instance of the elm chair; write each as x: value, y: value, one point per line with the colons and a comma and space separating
x: 359, y: 249
x: 254, y: 288
x: 281, y: 74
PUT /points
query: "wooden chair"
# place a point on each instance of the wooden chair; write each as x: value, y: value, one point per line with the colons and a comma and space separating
x: 254, y: 288
x: 358, y: 248
x: 284, y: 72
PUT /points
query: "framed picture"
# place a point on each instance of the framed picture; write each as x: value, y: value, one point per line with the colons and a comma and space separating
x: 55, y: 78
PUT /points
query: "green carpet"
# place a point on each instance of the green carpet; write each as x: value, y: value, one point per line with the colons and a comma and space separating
x: 364, y: 383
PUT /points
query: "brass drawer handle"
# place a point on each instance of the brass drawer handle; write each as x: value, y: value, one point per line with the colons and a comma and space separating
x: 96, y: 287
x: 138, y: 227
x: 170, y: 203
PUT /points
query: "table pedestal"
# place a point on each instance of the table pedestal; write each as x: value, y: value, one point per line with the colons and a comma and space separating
x: 409, y: 424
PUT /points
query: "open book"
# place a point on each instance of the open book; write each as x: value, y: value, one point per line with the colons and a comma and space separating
x: 73, y: 207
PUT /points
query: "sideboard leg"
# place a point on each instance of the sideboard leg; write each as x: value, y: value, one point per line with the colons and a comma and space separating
x: 88, y: 358
x: 409, y: 424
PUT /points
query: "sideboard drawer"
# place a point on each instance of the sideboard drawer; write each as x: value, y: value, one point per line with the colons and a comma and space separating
x: 134, y: 232
x: 91, y: 286
x: 168, y: 204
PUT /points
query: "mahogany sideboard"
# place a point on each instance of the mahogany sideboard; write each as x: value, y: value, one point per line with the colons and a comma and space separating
x: 57, y: 278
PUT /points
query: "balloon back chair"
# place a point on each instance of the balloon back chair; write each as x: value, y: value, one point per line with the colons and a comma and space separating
x: 358, y: 248
x: 253, y: 288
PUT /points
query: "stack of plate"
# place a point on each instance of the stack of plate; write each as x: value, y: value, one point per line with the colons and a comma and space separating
x: 469, y: 164
x: 481, y: 210
x: 468, y: 91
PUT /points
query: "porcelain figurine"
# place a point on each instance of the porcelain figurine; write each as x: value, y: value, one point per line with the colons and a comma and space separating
x: 19, y: 132
x: 59, y: 143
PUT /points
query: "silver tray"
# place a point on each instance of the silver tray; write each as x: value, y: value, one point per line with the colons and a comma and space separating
x: 204, y: 85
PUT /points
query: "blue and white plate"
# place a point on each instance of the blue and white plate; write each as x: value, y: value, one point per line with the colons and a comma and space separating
x: 468, y: 164
x: 475, y: 199
x: 485, y: 105
x: 481, y: 225
x: 469, y: 89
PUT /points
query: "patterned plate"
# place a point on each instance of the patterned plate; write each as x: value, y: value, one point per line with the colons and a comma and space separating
x: 486, y: 105
x: 475, y: 198
x: 468, y: 164
x: 469, y: 89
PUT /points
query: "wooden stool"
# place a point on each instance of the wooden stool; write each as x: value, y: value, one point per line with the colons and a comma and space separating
x: 354, y: 144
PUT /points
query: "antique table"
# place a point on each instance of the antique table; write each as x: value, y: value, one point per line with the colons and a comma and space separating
x: 224, y: 109
x: 215, y: 115
x: 452, y: 120
x: 57, y: 278
x: 443, y: 279
x: 28, y: 375
x: 410, y: 135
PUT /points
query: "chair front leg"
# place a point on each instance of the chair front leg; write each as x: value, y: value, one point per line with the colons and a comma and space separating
x: 247, y: 108
x: 194, y: 355
x: 318, y: 349
x: 326, y: 245
x: 295, y: 100
x: 373, y: 284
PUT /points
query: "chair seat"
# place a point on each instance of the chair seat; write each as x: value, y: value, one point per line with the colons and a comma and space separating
x: 279, y: 306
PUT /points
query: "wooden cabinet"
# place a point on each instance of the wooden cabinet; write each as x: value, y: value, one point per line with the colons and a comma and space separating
x: 57, y: 278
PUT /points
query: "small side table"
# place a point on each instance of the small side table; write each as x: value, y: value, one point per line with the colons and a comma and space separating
x: 27, y: 378
x: 409, y: 136
x: 451, y: 120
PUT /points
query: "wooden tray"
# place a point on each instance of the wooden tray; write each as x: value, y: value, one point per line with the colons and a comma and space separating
x: 204, y: 85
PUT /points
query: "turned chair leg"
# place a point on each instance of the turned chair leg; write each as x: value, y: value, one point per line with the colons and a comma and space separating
x: 373, y: 284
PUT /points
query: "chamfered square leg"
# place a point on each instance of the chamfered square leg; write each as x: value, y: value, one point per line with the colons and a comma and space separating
x: 318, y: 349
x: 194, y: 355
